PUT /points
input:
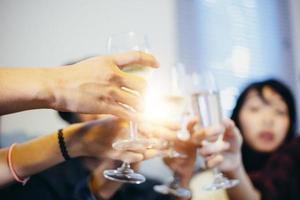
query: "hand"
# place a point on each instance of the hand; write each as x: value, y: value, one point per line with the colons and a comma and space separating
x: 95, y: 139
x: 101, y: 187
x: 226, y: 154
x: 183, y: 167
x: 96, y: 85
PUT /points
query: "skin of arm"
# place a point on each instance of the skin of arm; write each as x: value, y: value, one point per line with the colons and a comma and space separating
x: 245, y: 189
x: 85, y: 139
x: 73, y: 87
x: 26, y: 161
x: 24, y: 89
x: 227, y: 157
x: 89, y: 139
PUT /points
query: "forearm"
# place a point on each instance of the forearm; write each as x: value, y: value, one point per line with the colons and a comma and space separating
x: 245, y: 189
x: 24, y: 89
x: 35, y: 156
x: 30, y: 158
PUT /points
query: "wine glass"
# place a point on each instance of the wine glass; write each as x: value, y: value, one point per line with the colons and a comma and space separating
x: 206, y: 105
x: 175, y: 108
x: 119, y: 43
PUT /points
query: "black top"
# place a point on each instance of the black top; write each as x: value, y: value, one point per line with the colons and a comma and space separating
x: 280, y: 178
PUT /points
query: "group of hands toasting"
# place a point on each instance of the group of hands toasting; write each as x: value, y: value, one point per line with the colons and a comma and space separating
x: 97, y: 137
x: 134, y: 137
x: 121, y: 132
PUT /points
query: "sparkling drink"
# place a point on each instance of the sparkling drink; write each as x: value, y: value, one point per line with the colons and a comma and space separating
x: 207, y: 106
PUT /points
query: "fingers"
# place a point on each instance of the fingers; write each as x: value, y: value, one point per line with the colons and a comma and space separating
x: 214, y: 161
x: 209, y: 134
x: 198, y: 137
x: 133, y: 156
x: 128, y: 80
x: 151, y: 153
x: 174, y: 126
x: 132, y: 83
x: 232, y: 133
x: 129, y: 99
x: 228, y: 123
x: 135, y: 57
x: 214, y: 148
x: 191, y: 125
x: 212, y: 133
x: 156, y: 131
x: 128, y: 156
x: 124, y: 112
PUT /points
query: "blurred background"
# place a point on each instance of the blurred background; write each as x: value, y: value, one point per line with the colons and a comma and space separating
x: 239, y: 40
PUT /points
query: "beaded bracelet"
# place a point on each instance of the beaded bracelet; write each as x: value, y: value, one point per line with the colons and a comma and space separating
x: 62, y: 145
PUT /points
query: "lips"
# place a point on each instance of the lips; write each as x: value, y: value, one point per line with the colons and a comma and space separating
x: 266, y: 136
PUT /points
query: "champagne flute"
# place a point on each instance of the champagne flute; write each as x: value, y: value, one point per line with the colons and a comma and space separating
x: 116, y: 44
x: 206, y: 105
x: 175, y: 107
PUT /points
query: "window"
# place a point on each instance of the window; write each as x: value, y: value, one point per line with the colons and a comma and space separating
x: 238, y: 40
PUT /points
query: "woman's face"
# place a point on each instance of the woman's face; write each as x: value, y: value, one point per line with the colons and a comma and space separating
x: 264, y: 121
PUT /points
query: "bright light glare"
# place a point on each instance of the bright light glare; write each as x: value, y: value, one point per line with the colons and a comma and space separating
x: 162, y: 107
x: 154, y: 108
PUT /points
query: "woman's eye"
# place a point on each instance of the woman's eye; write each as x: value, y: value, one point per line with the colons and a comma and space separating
x: 254, y: 108
x: 281, y: 112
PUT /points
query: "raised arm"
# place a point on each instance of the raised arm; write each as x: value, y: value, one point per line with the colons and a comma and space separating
x: 84, y: 139
x: 95, y: 85
x: 227, y: 157
x: 91, y: 139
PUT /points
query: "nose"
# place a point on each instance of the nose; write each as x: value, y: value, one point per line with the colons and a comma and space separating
x: 268, y: 118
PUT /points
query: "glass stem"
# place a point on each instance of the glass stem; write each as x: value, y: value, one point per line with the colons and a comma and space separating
x: 125, y: 165
x: 216, y: 171
x: 133, y: 130
x: 176, y: 181
x: 125, y: 168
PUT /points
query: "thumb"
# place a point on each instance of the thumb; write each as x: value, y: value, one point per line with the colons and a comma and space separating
x: 135, y: 57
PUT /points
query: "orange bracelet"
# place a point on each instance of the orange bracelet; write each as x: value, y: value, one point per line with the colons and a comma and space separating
x: 11, y: 167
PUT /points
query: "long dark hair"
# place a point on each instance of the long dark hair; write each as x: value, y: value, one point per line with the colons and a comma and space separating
x: 252, y: 159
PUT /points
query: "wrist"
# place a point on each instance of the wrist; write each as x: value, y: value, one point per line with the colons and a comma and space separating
x: 36, y: 89
x: 72, y: 137
x: 184, y: 182
x: 236, y: 172
x: 54, y: 85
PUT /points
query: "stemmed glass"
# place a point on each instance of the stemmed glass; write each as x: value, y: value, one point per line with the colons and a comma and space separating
x: 175, y: 108
x: 205, y: 99
x: 116, y: 44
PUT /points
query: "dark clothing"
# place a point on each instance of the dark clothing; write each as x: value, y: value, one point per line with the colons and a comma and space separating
x: 140, y: 192
x: 280, y: 178
x: 55, y: 183
x: 253, y: 160
x: 67, y: 181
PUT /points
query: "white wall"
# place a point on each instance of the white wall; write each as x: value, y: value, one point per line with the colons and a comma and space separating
x: 51, y: 33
